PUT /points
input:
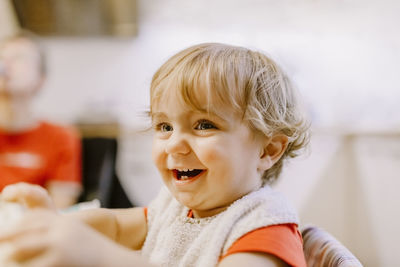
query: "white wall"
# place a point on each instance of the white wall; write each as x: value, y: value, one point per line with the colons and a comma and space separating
x: 348, y: 185
x: 344, y: 56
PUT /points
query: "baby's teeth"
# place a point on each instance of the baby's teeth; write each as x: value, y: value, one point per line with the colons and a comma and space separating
x: 191, y: 170
x: 184, y: 177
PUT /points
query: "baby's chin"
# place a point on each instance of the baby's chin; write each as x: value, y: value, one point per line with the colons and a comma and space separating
x: 186, y: 199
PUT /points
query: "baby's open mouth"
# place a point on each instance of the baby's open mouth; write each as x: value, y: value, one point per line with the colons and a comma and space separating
x: 186, y: 174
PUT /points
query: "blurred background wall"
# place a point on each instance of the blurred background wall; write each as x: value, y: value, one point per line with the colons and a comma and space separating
x: 344, y: 56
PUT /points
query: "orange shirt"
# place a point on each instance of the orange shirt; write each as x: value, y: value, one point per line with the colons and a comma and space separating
x: 283, y: 241
x: 47, y: 153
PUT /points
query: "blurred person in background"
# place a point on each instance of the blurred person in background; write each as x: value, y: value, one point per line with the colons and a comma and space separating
x: 32, y: 150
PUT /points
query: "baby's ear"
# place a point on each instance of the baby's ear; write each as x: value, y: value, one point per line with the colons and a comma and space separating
x: 272, y: 151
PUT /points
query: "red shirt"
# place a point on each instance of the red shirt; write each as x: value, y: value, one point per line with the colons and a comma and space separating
x: 46, y: 153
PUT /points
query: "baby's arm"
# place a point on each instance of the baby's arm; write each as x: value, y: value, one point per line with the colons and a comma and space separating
x: 43, y: 238
x: 127, y: 227
x: 251, y: 259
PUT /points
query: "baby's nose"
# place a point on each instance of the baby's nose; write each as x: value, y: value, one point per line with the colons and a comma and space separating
x: 177, y: 144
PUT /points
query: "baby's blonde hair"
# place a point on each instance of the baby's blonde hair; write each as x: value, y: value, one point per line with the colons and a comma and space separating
x: 248, y: 81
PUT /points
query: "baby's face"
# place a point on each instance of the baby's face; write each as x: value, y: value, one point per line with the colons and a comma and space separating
x: 20, y: 72
x: 206, y: 159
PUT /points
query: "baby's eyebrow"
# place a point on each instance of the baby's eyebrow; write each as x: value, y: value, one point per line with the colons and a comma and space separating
x: 212, y: 114
x: 157, y: 115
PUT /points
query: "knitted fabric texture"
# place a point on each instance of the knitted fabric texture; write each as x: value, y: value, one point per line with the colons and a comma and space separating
x: 173, y: 239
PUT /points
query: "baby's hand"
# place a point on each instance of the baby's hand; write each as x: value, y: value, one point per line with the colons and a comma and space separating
x: 45, y: 239
x: 28, y: 195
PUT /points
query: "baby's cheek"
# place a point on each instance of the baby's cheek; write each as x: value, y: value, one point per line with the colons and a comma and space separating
x: 212, y: 154
x: 157, y: 153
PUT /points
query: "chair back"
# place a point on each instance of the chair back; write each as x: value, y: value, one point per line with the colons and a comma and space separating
x: 99, y: 177
x: 322, y: 250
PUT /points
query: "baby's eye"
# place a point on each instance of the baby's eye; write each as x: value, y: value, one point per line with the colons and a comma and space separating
x: 205, y: 125
x: 164, y: 127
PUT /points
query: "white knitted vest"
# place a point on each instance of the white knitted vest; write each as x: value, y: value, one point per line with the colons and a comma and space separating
x: 173, y: 239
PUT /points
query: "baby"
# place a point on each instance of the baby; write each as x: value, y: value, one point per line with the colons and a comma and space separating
x: 225, y: 118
